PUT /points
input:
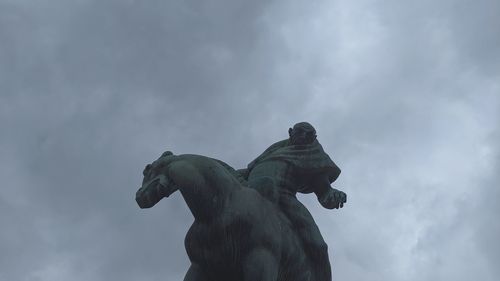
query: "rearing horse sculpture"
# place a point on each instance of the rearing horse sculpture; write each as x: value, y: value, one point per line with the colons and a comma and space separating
x: 236, y: 234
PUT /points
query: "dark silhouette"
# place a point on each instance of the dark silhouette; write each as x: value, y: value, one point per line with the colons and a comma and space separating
x: 237, y: 234
x: 249, y: 224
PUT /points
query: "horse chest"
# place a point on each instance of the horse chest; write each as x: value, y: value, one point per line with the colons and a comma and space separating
x: 216, y: 244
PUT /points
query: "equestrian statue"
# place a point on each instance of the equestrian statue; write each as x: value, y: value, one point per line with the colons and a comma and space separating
x: 248, y: 224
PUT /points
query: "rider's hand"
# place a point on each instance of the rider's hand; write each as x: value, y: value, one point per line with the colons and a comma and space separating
x: 333, y: 199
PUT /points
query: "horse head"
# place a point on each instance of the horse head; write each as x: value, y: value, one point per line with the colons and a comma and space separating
x: 156, y: 184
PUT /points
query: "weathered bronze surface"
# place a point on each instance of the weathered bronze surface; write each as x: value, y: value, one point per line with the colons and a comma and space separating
x: 248, y: 223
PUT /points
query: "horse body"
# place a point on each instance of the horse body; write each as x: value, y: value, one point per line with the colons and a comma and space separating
x: 237, y: 234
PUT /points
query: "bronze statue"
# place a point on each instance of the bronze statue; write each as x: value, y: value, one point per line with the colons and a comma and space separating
x: 257, y: 233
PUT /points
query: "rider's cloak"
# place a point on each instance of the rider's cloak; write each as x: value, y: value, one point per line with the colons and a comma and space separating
x: 308, y: 159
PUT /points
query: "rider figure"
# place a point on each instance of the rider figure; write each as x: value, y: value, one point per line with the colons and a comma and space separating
x: 298, y: 164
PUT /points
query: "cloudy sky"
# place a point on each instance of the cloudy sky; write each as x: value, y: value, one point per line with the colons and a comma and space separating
x: 405, y: 96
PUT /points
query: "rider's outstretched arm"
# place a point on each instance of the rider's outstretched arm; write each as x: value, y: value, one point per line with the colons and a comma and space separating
x: 328, y: 197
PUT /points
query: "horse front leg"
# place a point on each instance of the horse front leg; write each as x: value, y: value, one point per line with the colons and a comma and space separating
x: 195, y: 273
x: 260, y: 265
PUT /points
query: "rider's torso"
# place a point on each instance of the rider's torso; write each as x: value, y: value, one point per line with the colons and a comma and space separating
x: 283, y: 174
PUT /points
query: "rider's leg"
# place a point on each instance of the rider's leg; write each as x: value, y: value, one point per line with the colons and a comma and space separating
x: 304, y: 224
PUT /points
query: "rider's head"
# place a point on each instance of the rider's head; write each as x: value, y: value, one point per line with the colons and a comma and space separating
x: 302, y: 133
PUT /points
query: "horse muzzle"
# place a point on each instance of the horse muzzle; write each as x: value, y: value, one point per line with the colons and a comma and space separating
x: 153, y: 191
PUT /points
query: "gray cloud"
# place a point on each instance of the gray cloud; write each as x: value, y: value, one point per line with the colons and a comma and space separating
x: 404, y: 97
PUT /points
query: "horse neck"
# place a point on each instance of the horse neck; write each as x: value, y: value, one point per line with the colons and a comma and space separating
x: 203, y: 206
x: 204, y: 191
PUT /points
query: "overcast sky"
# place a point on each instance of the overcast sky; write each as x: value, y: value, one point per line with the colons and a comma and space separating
x: 405, y: 96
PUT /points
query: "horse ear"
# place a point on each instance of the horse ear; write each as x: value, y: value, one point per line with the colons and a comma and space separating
x: 167, y: 153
